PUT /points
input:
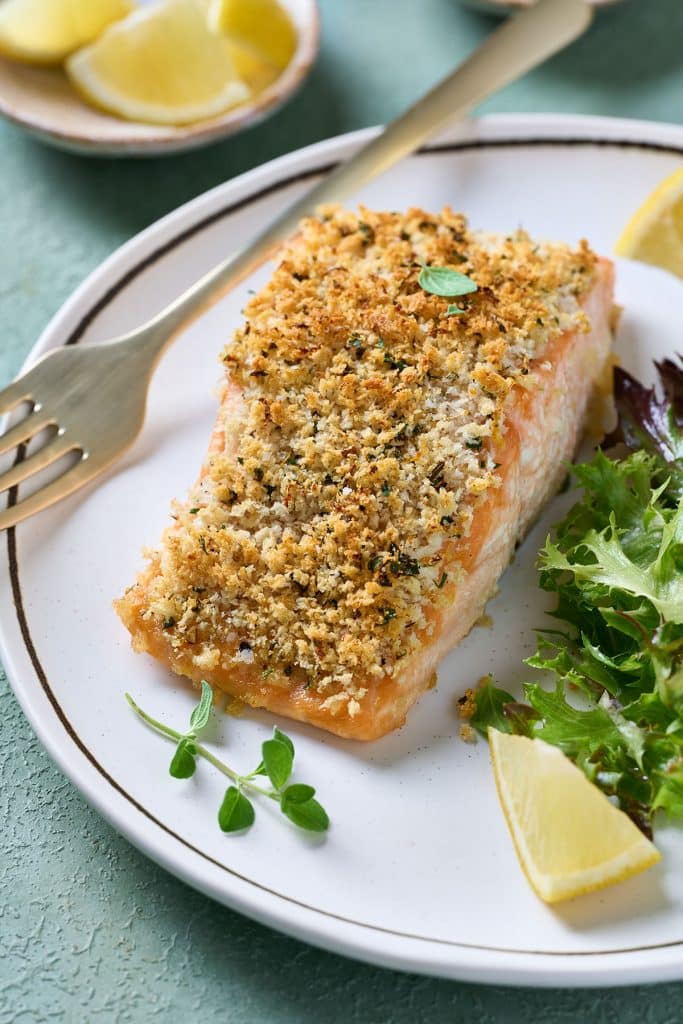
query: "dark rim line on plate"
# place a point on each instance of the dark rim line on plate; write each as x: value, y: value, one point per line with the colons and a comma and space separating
x: 76, y: 335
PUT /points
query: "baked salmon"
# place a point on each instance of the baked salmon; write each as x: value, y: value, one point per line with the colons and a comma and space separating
x: 378, y: 453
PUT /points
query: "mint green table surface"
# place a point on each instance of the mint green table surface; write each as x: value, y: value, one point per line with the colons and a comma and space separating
x: 90, y: 930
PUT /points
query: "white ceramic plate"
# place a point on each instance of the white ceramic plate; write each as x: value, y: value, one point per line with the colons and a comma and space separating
x: 418, y: 870
x: 42, y: 101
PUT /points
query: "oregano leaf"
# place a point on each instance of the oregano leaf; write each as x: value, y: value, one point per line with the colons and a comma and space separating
x: 200, y: 716
x: 298, y: 793
x: 277, y: 760
x: 309, y: 814
x: 183, y: 764
x: 236, y: 812
x: 445, y: 282
x: 283, y: 738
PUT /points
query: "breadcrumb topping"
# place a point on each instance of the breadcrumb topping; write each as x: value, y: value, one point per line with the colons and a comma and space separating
x: 328, y: 526
x: 467, y: 704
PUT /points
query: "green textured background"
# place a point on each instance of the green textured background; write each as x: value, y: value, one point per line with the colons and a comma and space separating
x: 90, y: 930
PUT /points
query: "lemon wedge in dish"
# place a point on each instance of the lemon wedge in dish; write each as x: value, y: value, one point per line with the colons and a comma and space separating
x: 569, y: 838
x: 654, y: 233
x: 161, y: 65
x: 260, y: 25
x: 47, y: 31
x: 250, y: 66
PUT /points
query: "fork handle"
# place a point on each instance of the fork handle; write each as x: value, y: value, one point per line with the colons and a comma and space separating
x: 520, y: 44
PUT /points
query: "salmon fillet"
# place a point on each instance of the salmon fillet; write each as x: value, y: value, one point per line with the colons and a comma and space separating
x: 376, y: 458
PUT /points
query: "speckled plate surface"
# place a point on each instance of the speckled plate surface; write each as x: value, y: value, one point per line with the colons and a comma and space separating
x: 43, y: 101
x: 418, y: 870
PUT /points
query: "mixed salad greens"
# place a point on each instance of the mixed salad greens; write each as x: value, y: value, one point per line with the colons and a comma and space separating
x: 616, y: 566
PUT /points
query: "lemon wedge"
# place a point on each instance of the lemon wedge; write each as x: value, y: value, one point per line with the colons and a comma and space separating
x: 654, y: 233
x: 162, y: 65
x: 250, y: 66
x: 261, y: 25
x: 47, y: 31
x: 569, y: 838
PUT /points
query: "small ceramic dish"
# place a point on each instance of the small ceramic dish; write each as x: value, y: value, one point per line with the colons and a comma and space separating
x: 42, y: 101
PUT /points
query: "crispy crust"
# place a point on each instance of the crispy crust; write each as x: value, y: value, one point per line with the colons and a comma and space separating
x: 542, y: 426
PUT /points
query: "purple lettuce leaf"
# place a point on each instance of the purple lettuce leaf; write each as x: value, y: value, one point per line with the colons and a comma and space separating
x: 647, y: 420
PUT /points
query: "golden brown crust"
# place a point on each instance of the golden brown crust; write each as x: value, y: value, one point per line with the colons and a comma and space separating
x: 355, y: 464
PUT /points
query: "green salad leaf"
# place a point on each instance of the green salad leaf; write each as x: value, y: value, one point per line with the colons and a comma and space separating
x: 490, y: 710
x: 615, y: 566
x: 659, y: 580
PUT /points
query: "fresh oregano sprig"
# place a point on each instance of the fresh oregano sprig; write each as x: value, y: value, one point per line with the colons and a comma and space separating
x: 236, y: 813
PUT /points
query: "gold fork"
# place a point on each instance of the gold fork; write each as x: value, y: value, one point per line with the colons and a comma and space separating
x: 92, y: 399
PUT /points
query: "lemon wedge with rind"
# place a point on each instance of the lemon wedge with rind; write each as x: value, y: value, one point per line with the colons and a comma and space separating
x: 654, y: 233
x: 47, y: 31
x: 160, y: 65
x: 261, y: 25
x: 568, y: 836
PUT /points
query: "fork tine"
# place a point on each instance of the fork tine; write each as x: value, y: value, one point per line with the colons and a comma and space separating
x: 50, y: 452
x: 25, y: 430
x: 65, y: 484
x: 16, y: 392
